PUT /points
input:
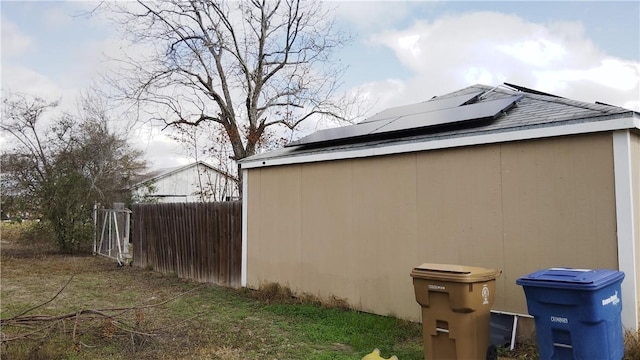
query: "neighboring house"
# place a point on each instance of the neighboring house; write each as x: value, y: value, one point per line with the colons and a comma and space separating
x: 196, y: 182
x: 506, y: 178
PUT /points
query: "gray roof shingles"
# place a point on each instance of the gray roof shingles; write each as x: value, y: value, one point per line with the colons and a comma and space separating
x: 531, y: 111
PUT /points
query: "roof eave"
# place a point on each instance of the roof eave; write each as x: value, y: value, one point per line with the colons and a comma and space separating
x: 632, y: 121
x: 179, y: 169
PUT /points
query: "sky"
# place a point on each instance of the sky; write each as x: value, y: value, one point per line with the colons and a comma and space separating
x: 402, y: 52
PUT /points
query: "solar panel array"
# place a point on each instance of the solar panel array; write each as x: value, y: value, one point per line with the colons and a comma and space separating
x: 426, y: 106
x: 428, y: 115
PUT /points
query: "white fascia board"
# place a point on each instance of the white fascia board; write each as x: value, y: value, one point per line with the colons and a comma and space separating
x: 632, y: 122
x: 627, y: 261
x: 245, y: 209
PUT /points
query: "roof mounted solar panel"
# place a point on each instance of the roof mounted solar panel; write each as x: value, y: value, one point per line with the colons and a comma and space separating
x: 344, y: 132
x: 466, y: 113
x: 386, y: 127
x: 426, y: 106
x: 531, y: 91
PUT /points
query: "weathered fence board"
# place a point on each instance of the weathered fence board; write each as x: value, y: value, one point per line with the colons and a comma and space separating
x: 199, y: 241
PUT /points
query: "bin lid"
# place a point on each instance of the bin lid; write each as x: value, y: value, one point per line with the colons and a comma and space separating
x: 569, y: 278
x: 454, y: 273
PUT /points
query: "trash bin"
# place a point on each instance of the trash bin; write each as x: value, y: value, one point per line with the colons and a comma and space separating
x: 577, y: 312
x: 456, y: 302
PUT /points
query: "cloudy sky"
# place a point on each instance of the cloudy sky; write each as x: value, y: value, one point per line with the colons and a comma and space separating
x: 402, y: 52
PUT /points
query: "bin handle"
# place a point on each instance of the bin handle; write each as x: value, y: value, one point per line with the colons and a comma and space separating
x: 442, y: 271
x: 571, y: 269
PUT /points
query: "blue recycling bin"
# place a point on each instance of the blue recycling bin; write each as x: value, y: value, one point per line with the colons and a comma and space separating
x: 577, y: 313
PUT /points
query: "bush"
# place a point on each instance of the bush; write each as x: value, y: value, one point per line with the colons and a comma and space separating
x: 42, y: 235
x: 27, y: 232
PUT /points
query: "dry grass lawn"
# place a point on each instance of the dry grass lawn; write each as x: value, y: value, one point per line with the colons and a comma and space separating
x: 199, y: 322
x: 196, y: 322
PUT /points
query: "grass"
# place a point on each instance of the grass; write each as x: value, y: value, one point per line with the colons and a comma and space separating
x: 209, y: 322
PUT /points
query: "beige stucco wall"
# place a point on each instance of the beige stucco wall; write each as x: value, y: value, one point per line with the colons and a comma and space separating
x: 355, y: 228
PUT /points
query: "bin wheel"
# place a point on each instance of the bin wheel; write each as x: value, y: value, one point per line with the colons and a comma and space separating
x: 492, y: 353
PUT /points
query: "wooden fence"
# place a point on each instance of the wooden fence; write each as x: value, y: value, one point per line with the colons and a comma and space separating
x: 199, y: 241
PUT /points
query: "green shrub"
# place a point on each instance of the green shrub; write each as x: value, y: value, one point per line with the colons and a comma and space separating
x: 42, y: 235
x: 27, y: 232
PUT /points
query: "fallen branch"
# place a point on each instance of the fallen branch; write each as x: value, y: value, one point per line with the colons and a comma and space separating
x: 44, y: 303
x: 29, y: 334
x: 111, y: 314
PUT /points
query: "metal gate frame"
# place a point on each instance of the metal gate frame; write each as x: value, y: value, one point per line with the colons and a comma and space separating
x: 112, y: 243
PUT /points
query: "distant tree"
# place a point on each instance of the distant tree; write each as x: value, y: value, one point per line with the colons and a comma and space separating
x: 244, y: 66
x: 206, y: 142
x: 59, y: 171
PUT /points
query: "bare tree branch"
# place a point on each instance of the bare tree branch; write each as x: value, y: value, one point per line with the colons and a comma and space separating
x: 46, y: 302
x: 247, y: 65
x: 111, y: 314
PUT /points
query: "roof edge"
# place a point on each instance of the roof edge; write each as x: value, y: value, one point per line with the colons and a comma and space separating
x: 624, y: 123
x: 181, y: 168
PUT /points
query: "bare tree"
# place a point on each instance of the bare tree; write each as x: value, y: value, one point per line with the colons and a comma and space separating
x: 243, y: 65
x: 59, y: 171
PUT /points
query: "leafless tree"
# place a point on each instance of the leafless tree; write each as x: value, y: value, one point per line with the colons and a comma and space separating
x: 59, y: 171
x: 243, y: 65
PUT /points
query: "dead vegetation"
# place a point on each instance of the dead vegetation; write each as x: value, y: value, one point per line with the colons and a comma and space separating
x: 275, y: 293
x: 37, y: 327
x: 632, y: 345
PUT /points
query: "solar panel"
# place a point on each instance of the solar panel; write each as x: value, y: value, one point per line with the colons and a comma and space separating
x: 410, y: 120
x: 477, y: 111
x: 426, y: 106
x: 345, y: 132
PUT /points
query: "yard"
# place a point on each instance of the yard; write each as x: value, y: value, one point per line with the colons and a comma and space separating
x: 89, y: 308
x: 196, y: 322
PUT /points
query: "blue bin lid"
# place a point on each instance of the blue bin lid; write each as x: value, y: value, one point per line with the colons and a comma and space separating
x: 568, y: 278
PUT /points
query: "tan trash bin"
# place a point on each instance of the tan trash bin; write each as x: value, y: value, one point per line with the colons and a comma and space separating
x: 456, y: 301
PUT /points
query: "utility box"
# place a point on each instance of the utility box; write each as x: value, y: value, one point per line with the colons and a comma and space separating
x: 456, y: 301
x: 577, y: 313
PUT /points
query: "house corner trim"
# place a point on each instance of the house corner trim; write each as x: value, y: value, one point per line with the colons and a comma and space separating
x: 627, y: 261
x: 245, y: 188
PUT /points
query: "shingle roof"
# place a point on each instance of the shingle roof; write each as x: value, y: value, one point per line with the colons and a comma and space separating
x: 533, y: 110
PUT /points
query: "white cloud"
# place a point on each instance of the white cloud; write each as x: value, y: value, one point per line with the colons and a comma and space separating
x: 480, y: 75
x: 14, y: 43
x: 538, y: 52
x: 410, y: 43
x: 21, y: 79
x: 490, y: 48
x: 612, y: 73
x: 160, y: 149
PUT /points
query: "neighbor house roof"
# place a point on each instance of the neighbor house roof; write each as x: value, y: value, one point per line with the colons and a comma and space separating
x: 533, y: 114
x: 166, y: 172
